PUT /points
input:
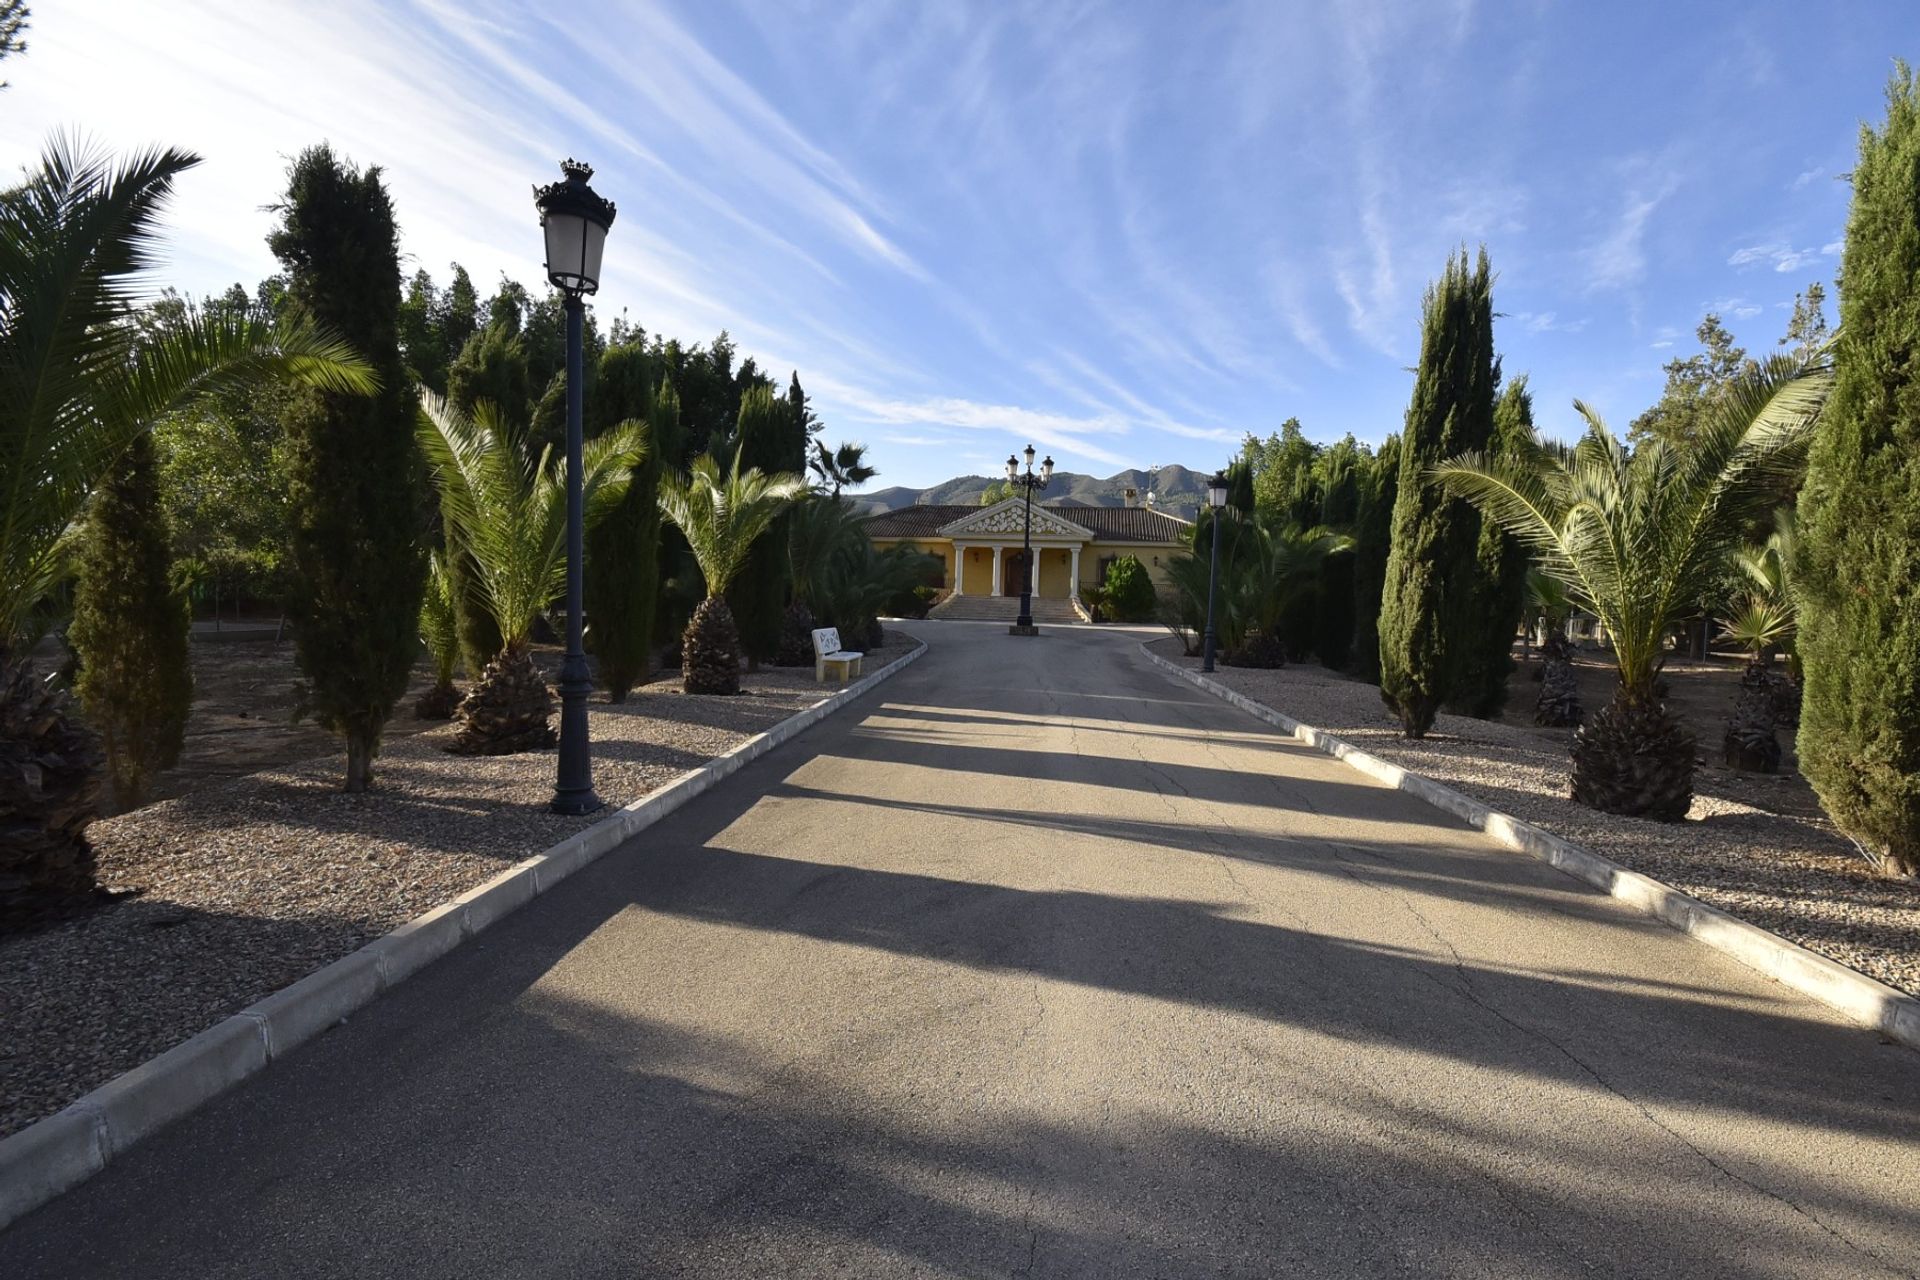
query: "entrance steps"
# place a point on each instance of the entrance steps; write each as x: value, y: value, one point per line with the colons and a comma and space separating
x: 1058, y: 613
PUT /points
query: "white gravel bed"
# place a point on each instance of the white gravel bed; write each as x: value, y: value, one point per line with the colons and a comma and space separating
x: 1795, y: 875
x: 249, y: 885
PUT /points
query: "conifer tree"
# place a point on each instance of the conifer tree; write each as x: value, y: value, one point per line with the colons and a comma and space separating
x: 1425, y: 616
x: 1372, y: 541
x: 130, y: 628
x: 1340, y: 480
x: 771, y: 440
x: 1859, y: 546
x: 623, y: 551
x: 356, y: 568
x: 1500, y: 585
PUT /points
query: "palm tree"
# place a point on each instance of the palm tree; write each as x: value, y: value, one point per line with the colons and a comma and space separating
x: 721, y: 513
x: 845, y: 467
x: 80, y: 378
x: 510, y: 512
x: 1637, y: 538
x: 1558, y: 705
x: 1277, y: 564
x: 440, y: 633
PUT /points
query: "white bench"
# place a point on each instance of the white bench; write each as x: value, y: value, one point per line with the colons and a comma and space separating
x: 827, y: 653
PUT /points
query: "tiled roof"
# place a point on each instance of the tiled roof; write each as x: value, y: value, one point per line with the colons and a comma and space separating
x: 1110, y: 524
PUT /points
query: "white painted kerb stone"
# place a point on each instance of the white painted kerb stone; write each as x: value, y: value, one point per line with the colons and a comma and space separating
x: 1863, y: 999
x: 58, y: 1153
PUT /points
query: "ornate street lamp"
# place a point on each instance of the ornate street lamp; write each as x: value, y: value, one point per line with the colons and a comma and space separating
x: 1217, y: 501
x: 1030, y: 482
x: 575, y: 220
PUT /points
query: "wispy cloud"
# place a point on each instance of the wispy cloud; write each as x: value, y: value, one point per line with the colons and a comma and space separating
x: 1780, y: 255
x: 1618, y: 260
x: 1547, y: 322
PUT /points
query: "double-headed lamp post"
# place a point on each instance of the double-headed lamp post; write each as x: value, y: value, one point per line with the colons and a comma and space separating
x: 575, y: 220
x: 1030, y: 482
x: 1217, y: 502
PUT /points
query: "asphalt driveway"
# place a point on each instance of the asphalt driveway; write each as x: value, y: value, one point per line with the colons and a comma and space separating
x: 1037, y: 963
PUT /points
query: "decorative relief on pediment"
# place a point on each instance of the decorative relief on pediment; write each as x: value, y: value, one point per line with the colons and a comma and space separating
x: 1010, y: 516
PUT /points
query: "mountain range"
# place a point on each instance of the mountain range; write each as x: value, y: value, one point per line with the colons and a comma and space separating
x: 1175, y: 489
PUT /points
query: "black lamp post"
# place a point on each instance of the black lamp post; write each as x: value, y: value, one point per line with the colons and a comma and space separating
x: 575, y: 221
x: 1030, y: 482
x: 1217, y: 501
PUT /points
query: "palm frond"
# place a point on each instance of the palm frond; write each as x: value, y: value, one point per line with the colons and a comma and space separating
x: 1639, y: 537
x: 510, y: 512
x: 722, y: 512
x: 79, y: 377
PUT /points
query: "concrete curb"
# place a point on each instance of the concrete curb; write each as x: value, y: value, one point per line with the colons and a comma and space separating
x: 1860, y: 998
x: 57, y: 1153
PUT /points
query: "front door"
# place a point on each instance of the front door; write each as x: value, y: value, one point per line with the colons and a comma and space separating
x: 1013, y: 567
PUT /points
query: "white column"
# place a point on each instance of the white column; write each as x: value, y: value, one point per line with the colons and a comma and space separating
x: 1033, y: 572
x: 1073, y: 573
x: 996, y: 569
x: 959, y: 570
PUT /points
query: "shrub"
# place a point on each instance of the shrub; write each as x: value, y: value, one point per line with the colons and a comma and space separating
x: 1128, y: 593
x: 130, y: 628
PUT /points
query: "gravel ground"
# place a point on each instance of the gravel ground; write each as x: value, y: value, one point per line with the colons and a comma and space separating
x: 1778, y: 867
x: 249, y: 885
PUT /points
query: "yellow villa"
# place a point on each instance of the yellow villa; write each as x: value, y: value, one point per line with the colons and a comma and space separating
x: 1072, y: 547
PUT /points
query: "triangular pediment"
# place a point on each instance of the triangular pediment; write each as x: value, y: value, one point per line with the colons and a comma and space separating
x: 1009, y: 516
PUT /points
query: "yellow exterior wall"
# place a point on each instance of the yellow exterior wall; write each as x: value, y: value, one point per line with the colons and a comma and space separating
x: 1056, y: 563
x: 979, y: 571
x: 1154, y: 555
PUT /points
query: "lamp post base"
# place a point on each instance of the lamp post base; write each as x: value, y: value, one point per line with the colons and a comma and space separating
x: 575, y: 805
x: 1023, y: 629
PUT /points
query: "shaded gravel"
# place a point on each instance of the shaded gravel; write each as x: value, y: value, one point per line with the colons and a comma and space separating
x: 249, y: 885
x: 1775, y: 865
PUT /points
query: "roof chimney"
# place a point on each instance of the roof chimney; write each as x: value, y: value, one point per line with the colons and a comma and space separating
x: 1129, y: 494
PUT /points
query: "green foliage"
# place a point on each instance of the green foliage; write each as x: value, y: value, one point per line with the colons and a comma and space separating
x: 13, y: 26
x: 623, y: 550
x: 1372, y: 544
x: 722, y: 513
x: 1425, y: 616
x: 772, y: 441
x: 78, y: 380
x: 511, y: 515
x: 130, y: 628
x: 1637, y: 537
x: 439, y: 620
x: 1857, y: 574
x: 1282, y: 474
x: 842, y: 468
x: 1128, y: 591
x: 1693, y: 383
x: 492, y: 366
x: 1500, y: 582
x: 356, y: 569
x: 1333, y: 609
x: 1278, y: 569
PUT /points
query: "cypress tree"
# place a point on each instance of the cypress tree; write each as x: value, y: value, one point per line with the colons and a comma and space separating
x: 1372, y: 541
x: 1425, y: 615
x: 1859, y: 557
x: 130, y: 628
x: 773, y: 441
x: 1500, y: 583
x: 356, y: 567
x: 623, y: 551
x: 1339, y: 478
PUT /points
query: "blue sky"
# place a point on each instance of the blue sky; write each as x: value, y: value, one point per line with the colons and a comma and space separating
x: 1127, y: 232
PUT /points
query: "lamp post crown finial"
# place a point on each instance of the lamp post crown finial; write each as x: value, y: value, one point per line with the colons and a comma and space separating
x: 576, y: 169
